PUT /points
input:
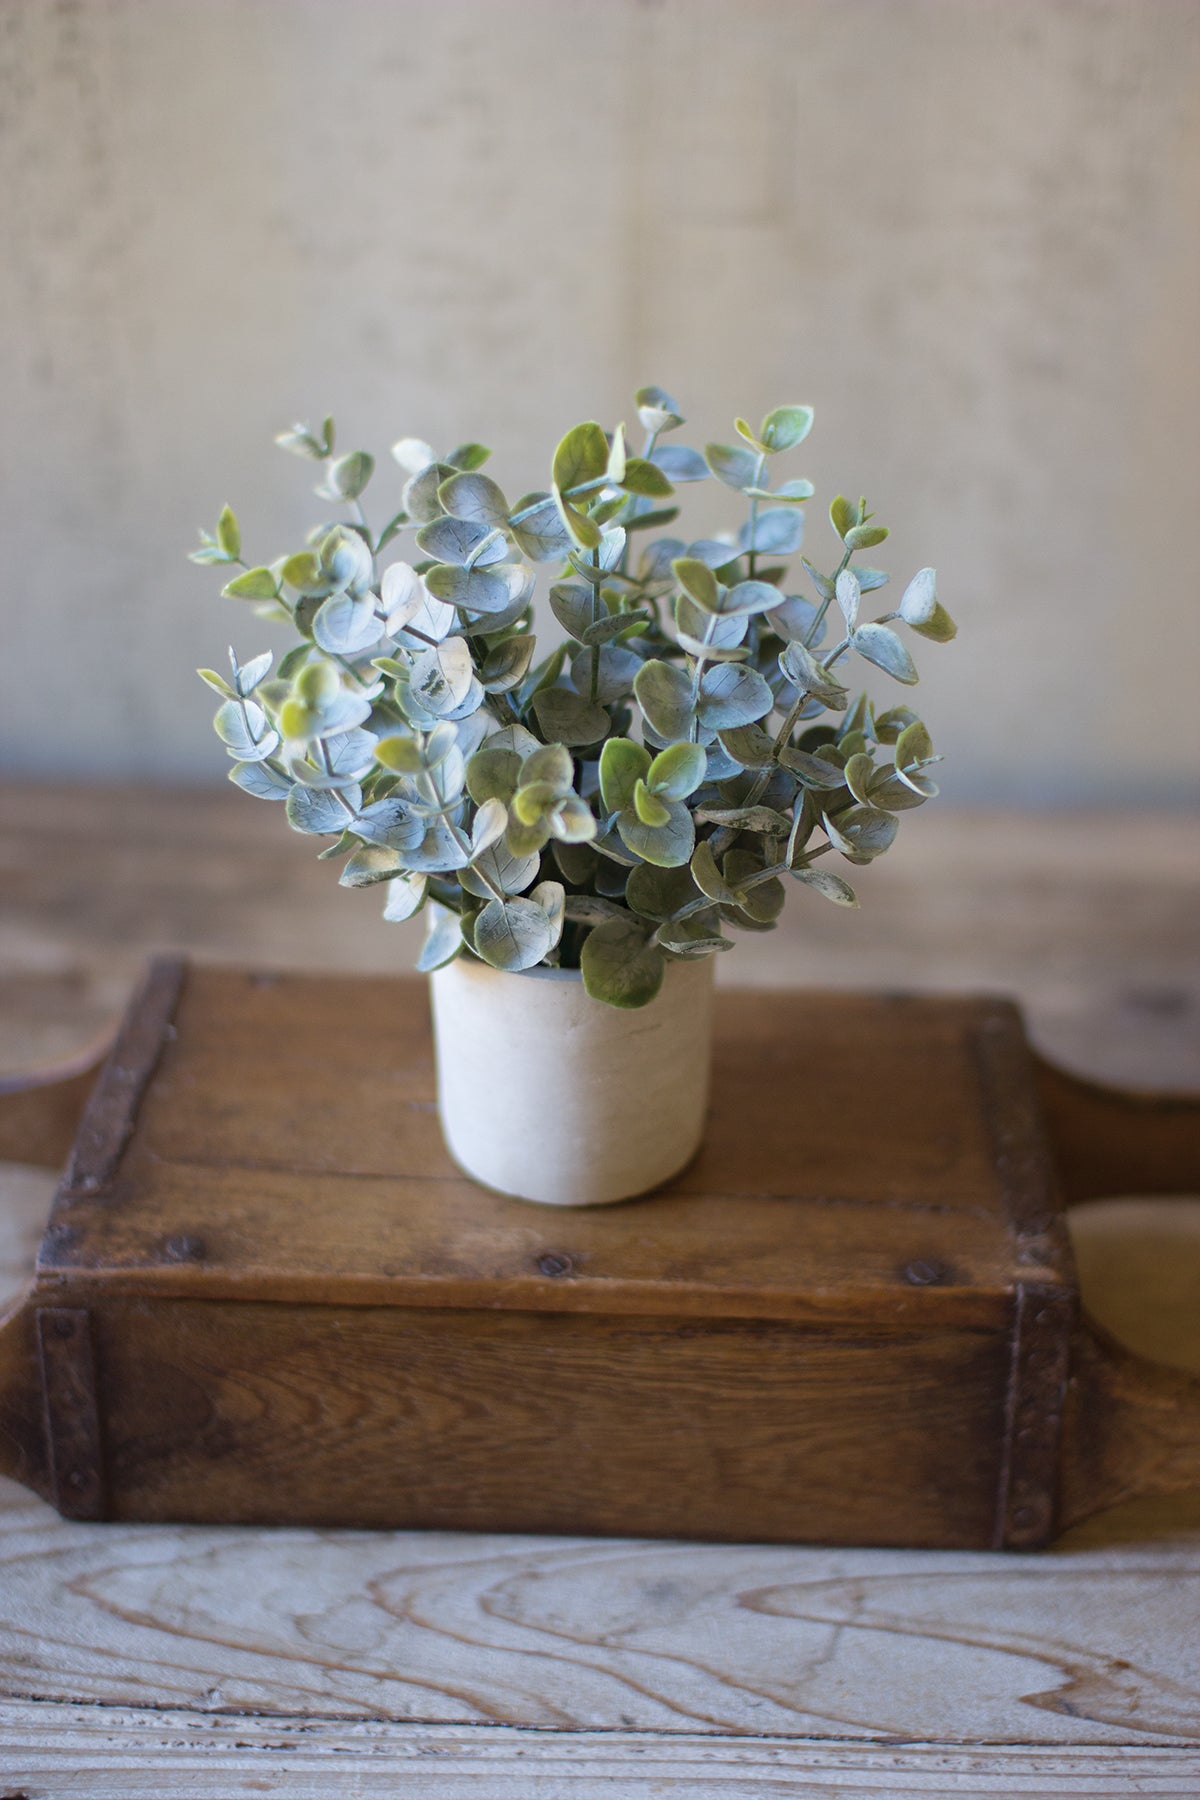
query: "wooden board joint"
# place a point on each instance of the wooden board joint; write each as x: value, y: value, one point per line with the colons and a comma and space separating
x: 72, y: 1413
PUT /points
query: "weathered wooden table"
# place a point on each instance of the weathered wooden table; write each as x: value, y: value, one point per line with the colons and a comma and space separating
x: 214, y: 1662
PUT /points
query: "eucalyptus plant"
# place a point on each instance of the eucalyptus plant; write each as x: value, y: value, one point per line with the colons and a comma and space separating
x: 686, y: 748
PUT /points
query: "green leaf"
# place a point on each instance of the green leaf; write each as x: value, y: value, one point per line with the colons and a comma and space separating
x: 747, y: 818
x: 789, y: 493
x: 304, y: 573
x: 228, y: 535
x: 570, y: 718
x: 475, y: 498
x: 828, y: 885
x: 708, y: 877
x: 858, y: 773
x: 255, y: 584
x: 664, y: 694
x: 620, y: 965
x: 813, y: 771
x: 622, y: 765
x: 940, y: 626
x: 580, y: 457
x: 648, y: 807
x: 585, y: 531
x: 656, y: 409
x: 617, y: 457
x: 642, y: 477
x: 802, y: 669
x: 658, y: 893
x: 914, y: 746
x: 468, y: 456
x: 573, y: 607
x: 348, y: 476
x: 865, y: 537
x: 764, y: 901
x: 785, y: 427
x: 217, y: 683
x: 733, y: 695
x: 698, y: 581
x: 747, y: 432
x: 843, y: 515
x: 513, y: 934
x: 880, y: 645
x: 669, y: 844
x: 493, y: 774
x: 749, y: 746
x: 675, y: 772
x: 736, y: 467
x: 462, y: 541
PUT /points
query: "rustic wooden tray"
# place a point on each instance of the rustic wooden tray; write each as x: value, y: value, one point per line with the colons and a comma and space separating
x: 266, y: 1294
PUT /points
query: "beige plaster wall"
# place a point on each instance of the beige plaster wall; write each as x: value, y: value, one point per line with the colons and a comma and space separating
x: 967, y: 231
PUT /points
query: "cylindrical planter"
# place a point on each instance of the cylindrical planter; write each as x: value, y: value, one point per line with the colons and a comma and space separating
x: 548, y: 1095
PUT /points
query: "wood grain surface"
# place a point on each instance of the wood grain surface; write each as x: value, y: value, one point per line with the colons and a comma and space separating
x: 196, y: 1663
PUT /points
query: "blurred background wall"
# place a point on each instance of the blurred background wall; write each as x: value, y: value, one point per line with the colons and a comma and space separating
x: 967, y: 231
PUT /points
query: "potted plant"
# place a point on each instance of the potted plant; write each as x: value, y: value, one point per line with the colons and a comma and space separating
x: 584, y: 829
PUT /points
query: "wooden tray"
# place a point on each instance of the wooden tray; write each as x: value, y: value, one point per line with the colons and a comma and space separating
x: 265, y: 1293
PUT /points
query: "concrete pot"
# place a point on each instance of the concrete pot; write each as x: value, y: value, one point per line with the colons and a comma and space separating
x: 548, y: 1095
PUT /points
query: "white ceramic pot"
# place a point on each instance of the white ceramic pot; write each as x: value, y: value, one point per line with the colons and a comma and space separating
x: 548, y: 1095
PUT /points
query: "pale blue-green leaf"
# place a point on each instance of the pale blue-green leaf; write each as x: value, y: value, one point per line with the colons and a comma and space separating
x: 443, y: 941
x: 346, y: 478
x: 244, y: 729
x: 811, y: 677
x: 849, y: 595
x: 438, y: 853
x: 679, y: 463
x: 513, y: 934
x: 476, y: 498
x: 441, y: 677
x: 731, y: 695
x: 719, y: 632
x: 392, y: 824
x: 570, y: 718
x: 542, y: 534
x: 488, y: 827
x: 321, y: 812
x: 796, y: 618
x: 749, y: 746
x: 551, y: 763
x: 919, y: 598
x: 573, y: 607
x: 880, y: 645
x: 870, y: 579
x: 250, y: 674
x: 828, y: 885
x: 656, y: 409
x: 413, y: 454
x: 777, y: 532
x: 260, y: 780
x: 745, y: 598
x: 736, y: 467
x: 813, y: 770
x: 551, y: 897
x: 401, y: 595
x: 404, y: 896
x: 785, y: 427
x: 475, y: 590
x: 621, y: 967
x: 791, y: 493
x: 513, y: 737
x: 506, y: 664
x: 715, y: 552
x: 616, y: 670
x: 664, y: 694
x: 461, y: 541
x: 369, y: 865
x: 420, y: 495
x: 510, y: 871
x: 654, y: 564
x: 669, y: 845
x: 861, y: 832
x: 346, y: 627
x: 618, y: 456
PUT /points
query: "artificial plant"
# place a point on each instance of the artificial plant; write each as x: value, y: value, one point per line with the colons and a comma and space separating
x: 655, y: 779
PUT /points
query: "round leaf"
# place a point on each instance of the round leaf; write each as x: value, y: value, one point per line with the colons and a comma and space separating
x: 513, y: 934
x: 620, y: 965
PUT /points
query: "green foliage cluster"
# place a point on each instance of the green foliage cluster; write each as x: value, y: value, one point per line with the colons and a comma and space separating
x: 652, y: 782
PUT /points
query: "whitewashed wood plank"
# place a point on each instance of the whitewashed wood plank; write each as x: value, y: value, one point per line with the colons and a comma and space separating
x: 66, y: 1752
